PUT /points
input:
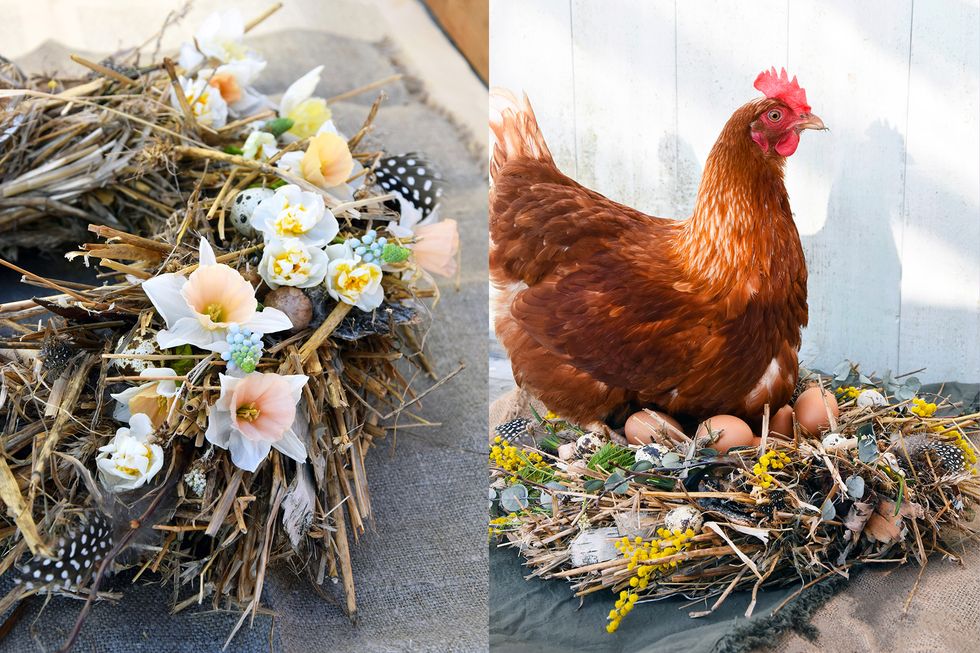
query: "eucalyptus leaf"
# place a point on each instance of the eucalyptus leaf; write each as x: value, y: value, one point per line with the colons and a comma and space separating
x: 642, y: 466
x: 855, y: 487
x: 671, y: 460
x: 593, y: 485
x: 614, y: 480
x: 622, y: 488
x: 842, y: 371
x: 827, y: 510
x: 547, y: 499
x: 514, y: 498
x: 708, y: 452
x: 867, y: 449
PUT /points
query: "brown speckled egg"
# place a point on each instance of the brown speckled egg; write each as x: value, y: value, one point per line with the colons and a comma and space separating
x: 641, y: 426
x: 781, y: 421
x: 811, y: 412
x: 294, y: 303
x: 731, y: 432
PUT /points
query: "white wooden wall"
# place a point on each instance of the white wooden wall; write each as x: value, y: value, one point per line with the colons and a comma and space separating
x: 632, y: 94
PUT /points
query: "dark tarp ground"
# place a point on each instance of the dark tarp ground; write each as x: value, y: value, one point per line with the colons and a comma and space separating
x: 543, y: 616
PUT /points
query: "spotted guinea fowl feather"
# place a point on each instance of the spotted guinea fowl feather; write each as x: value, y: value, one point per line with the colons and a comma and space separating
x: 411, y: 177
x: 75, y: 557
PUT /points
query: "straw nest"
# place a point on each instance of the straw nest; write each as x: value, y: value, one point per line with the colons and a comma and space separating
x: 885, y: 482
x: 111, y: 156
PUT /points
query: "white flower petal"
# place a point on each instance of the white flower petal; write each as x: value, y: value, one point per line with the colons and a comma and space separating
x: 269, y: 320
x: 121, y: 411
x: 164, y: 293
x: 219, y: 427
x: 227, y: 384
x: 340, y: 251
x: 156, y: 461
x: 370, y: 300
x: 247, y: 454
x: 292, y: 446
x: 329, y: 128
x: 189, y: 58
x: 187, y: 331
x: 296, y: 383
x: 300, y: 90
x: 206, y: 253
x: 140, y: 426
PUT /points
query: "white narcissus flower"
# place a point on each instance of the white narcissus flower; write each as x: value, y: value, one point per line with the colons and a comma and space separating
x: 290, y: 262
x: 352, y: 281
x: 129, y: 461
x: 206, y: 103
x: 255, y: 414
x: 308, y: 113
x: 199, y: 309
x: 260, y: 146
x: 294, y: 213
x: 219, y: 38
x: 154, y: 399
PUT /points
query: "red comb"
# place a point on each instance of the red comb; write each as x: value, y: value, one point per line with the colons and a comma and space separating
x: 779, y: 87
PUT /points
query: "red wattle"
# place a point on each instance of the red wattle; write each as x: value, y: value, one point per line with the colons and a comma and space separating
x: 788, y: 143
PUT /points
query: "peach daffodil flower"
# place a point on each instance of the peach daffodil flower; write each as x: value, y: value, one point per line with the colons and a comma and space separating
x: 154, y: 398
x: 129, y: 460
x: 436, y: 246
x: 352, y: 281
x: 327, y: 161
x: 199, y: 308
x: 294, y: 213
x: 255, y: 414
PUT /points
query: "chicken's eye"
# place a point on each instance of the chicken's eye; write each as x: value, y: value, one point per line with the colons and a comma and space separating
x: 775, y: 115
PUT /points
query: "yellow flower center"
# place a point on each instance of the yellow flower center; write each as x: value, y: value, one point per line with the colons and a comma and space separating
x: 292, y: 263
x: 353, y: 280
x: 248, y: 412
x: 291, y: 221
x: 215, y: 311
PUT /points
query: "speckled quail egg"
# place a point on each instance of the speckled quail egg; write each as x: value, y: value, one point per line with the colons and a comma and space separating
x: 135, y: 344
x: 651, y: 453
x: 587, y: 445
x: 683, y: 518
x: 871, y: 399
x: 243, y: 205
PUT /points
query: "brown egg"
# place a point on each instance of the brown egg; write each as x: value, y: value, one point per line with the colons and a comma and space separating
x: 781, y: 421
x: 732, y: 432
x: 641, y: 427
x: 811, y: 412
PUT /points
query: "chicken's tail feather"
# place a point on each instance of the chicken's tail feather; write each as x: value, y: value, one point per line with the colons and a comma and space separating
x: 515, y: 131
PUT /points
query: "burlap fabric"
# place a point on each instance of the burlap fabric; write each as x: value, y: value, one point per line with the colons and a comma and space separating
x: 421, y: 569
x: 873, y: 612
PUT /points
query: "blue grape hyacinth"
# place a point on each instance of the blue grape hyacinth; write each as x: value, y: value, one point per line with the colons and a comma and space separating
x: 246, y: 349
x: 369, y: 247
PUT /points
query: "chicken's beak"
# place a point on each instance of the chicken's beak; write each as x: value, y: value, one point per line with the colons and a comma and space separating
x: 811, y: 121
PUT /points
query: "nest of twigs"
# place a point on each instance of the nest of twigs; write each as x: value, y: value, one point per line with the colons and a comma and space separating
x: 113, y: 155
x: 882, y: 484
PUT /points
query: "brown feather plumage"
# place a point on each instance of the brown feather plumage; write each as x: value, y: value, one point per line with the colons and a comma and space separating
x: 603, y: 308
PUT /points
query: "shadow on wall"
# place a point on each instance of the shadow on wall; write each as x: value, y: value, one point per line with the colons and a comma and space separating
x: 856, y: 246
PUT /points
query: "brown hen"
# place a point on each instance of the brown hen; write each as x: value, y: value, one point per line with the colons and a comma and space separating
x: 604, y: 309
